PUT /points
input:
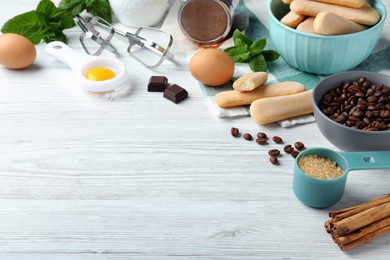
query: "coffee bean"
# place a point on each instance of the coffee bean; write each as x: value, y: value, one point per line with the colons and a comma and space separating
x: 234, y: 132
x: 277, y: 139
x: 299, y: 146
x: 261, y: 135
x: 357, y: 104
x: 273, y: 160
x: 248, y: 136
x: 294, y: 154
x: 261, y: 140
x: 274, y: 152
x: 288, y: 148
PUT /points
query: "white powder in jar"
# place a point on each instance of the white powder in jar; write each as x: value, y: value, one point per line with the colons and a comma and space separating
x: 136, y: 13
x: 319, y: 167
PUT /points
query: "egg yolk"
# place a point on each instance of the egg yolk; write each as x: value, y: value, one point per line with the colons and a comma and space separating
x: 100, y: 74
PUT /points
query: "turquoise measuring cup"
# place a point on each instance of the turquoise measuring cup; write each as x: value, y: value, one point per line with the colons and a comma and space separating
x: 320, y: 193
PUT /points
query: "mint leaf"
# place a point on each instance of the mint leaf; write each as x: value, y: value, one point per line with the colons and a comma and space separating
x: 258, y: 63
x: 270, y: 55
x: 47, y: 8
x: 240, y: 43
x: 238, y: 35
x: 238, y: 54
x: 73, y: 7
x: 100, y: 8
x: 246, y: 50
x: 258, y: 46
x: 25, y: 24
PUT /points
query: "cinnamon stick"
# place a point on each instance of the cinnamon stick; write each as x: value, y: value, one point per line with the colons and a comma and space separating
x: 347, y: 212
x: 329, y: 225
x: 365, y: 238
x: 356, y: 225
x: 358, y: 234
x: 360, y: 219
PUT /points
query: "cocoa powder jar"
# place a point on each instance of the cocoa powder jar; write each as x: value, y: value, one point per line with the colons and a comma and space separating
x: 206, y: 21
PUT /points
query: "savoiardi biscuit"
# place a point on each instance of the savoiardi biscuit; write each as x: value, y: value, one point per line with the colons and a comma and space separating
x: 234, y: 98
x: 365, y: 15
x: 273, y: 109
x: 348, y: 3
x: 327, y: 23
x: 306, y: 26
x: 250, y: 81
x: 292, y: 19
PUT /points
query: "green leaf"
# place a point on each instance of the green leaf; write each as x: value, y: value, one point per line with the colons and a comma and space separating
x: 270, y: 55
x: 47, y: 8
x: 258, y: 46
x: 100, y: 8
x: 240, y: 43
x: 74, y: 7
x: 258, y: 63
x: 238, y: 54
x: 238, y: 36
x: 25, y: 24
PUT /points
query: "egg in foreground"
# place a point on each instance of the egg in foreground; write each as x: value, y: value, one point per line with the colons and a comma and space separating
x: 212, y: 67
x: 16, y: 51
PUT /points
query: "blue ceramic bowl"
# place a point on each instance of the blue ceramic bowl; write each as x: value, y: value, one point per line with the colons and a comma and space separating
x: 320, y: 54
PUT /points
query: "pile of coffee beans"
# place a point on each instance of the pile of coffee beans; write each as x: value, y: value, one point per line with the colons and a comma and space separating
x: 359, y: 104
x: 262, y: 139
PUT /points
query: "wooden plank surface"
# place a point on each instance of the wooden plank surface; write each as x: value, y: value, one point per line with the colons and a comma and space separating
x: 83, y: 177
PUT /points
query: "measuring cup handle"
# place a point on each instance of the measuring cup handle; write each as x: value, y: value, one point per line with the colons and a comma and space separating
x: 65, y: 54
x: 368, y: 160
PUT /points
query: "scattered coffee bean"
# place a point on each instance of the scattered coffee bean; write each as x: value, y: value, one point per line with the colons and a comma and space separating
x: 273, y: 160
x: 261, y: 140
x: 261, y: 135
x: 277, y: 139
x: 288, y: 148
x: 294, y: 154
x: 248, y: 136
x: 234, y: 132
x: 274, y: 152
x: 299, y: 146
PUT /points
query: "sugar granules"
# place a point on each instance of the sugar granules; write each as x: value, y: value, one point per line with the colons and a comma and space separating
x: 319, y: 167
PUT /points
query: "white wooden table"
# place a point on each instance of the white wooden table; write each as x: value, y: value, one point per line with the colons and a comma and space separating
x: 139, y: 177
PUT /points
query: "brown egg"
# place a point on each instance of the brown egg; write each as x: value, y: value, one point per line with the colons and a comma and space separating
x: 212, y: 67
x: 16, y: 51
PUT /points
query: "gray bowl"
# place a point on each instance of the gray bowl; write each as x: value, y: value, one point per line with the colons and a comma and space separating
x: 344, y: 137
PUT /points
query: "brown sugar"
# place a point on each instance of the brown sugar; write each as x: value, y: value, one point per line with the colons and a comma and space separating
x: 319, y: 167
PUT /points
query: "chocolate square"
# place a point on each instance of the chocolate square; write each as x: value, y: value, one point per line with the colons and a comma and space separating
x: 157, y: 84
x: 175, y: 93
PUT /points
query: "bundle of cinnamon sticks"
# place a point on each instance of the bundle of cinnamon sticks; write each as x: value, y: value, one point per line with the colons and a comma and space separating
x: 351, y: 227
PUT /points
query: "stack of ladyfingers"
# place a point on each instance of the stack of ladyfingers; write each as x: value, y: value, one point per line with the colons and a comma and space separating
x: 330, y: 17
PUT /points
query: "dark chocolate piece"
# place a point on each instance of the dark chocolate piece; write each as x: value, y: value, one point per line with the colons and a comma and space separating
x: 175, y: 93
x: 157, y: 84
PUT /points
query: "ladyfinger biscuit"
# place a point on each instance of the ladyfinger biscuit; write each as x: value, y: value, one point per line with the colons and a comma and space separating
x: 332, y: 24
x: 366, y: 15
x: 306, y: 25
x: 272, y: 109
x: 250, y: 81
x: 234, y: 98
x: 348, y: 3
x: 292, y: 19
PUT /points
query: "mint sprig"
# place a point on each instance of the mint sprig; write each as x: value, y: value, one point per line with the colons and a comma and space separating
x: 245, y: 50
x: 48, y: 21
